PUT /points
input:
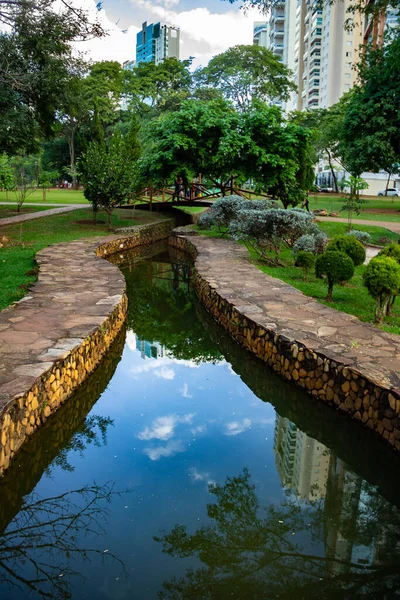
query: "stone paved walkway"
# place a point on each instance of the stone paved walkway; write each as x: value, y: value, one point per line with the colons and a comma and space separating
x: 276, y: 305
x: 75, y: 293
x: 41, y: 213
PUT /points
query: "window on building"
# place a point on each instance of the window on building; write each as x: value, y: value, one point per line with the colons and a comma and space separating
x: 349, y: 43
x: 349, y: 54
x: 346, y: 87
x: 347, y: 75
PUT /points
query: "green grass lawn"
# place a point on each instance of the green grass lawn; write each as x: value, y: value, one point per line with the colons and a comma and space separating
x: 334, y: 229
x: 53, y: 196
x: 26, y: 239
x: 374, y: 209
x: 351, y: 298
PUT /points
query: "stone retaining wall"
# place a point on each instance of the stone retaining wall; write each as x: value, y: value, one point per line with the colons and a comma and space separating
x: 54, y: 339
x: 349, y: 388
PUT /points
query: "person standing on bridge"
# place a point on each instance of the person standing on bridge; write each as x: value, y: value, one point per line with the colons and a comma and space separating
x: 178, y: 187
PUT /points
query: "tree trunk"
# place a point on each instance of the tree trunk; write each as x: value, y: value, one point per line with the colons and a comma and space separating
x: 330, y: 290
x: 71, y: 146
x: 387, y: 183
x: 335, y: 183
x: 109, y: 213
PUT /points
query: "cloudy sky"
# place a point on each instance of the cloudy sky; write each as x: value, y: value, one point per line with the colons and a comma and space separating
x: 208, y: 27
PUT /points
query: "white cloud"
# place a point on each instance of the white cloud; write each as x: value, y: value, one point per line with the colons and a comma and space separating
x: 197, y: 476
x: 236, y: 427
x: 203, y: 33
x: 170, y: 449
x: 163, y: 428
x: 185, y: 391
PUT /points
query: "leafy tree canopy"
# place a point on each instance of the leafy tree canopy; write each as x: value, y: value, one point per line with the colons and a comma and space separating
x: 246, y: 72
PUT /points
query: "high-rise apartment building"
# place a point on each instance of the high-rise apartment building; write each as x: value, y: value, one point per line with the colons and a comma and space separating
x: 325, y: 53
x: 157, y: 41
x: 261, y: 34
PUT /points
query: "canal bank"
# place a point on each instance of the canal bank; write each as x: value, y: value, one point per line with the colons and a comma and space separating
x: 348, y: 364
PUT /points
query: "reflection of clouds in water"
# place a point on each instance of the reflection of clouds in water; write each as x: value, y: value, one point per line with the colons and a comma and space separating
x: 161, y: 367
x: 163, y: 428
x: 196, y: 475
x: 170, y: 449
x: 185, y: 391
x: 198, y: 429
x: 130, y: 341
x: 236, y: 427
x: 165, y: 373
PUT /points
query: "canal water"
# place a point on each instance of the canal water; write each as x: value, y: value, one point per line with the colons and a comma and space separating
x: 184, y: 469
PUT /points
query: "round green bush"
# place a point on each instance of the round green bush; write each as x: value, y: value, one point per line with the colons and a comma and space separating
x: 305, y: 260
x: 350, y: 245
x: 335, y: 266
x: 391, y: 251
x: 382, y: 276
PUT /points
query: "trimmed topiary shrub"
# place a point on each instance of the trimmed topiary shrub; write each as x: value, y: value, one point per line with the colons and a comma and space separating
x: 382, y: 280
x: 335, y: 266
x: 306, y: 243
x: 362, y: 236
x: 350, y: 246
x: 306, y: 261
x: 392, y: 251
x: 205, y: 220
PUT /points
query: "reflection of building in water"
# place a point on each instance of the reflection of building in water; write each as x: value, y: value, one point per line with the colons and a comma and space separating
x: 302, y: 462
x: 150, y: 349
x: 360, y: 526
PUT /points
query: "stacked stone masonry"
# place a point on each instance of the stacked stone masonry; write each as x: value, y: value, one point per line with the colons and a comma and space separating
x: 333, y: 356
x: 56, y: 336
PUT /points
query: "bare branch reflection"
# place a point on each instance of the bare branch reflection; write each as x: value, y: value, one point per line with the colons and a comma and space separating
x: 46, y: 538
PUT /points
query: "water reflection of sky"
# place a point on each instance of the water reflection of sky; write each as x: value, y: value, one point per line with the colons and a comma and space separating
x: 178, y: 426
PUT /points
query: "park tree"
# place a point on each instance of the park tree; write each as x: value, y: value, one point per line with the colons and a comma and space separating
x: 202, y: 137
x: 6, y: 174
x: 276, y: 153
x: 382, y: 280
x: 109, y: 174
x: 24, y: 168
x: 35, y: 61
x: 371, y: 132
x: 243, y: 73
x: 150, y: 89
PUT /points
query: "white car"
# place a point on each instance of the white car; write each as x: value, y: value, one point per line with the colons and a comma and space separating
x: 390, y: 192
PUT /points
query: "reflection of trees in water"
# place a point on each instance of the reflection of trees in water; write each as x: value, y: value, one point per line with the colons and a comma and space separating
x: 69, y: 429
x: 162, y: 308
x: 252, y: 552
x: 93, y: 431
x: 41, y: 543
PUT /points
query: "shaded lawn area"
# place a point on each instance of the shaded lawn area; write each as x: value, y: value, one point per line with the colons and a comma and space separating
x: 351, y: 298
x: 53, y: 196
x: 26, y: 239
